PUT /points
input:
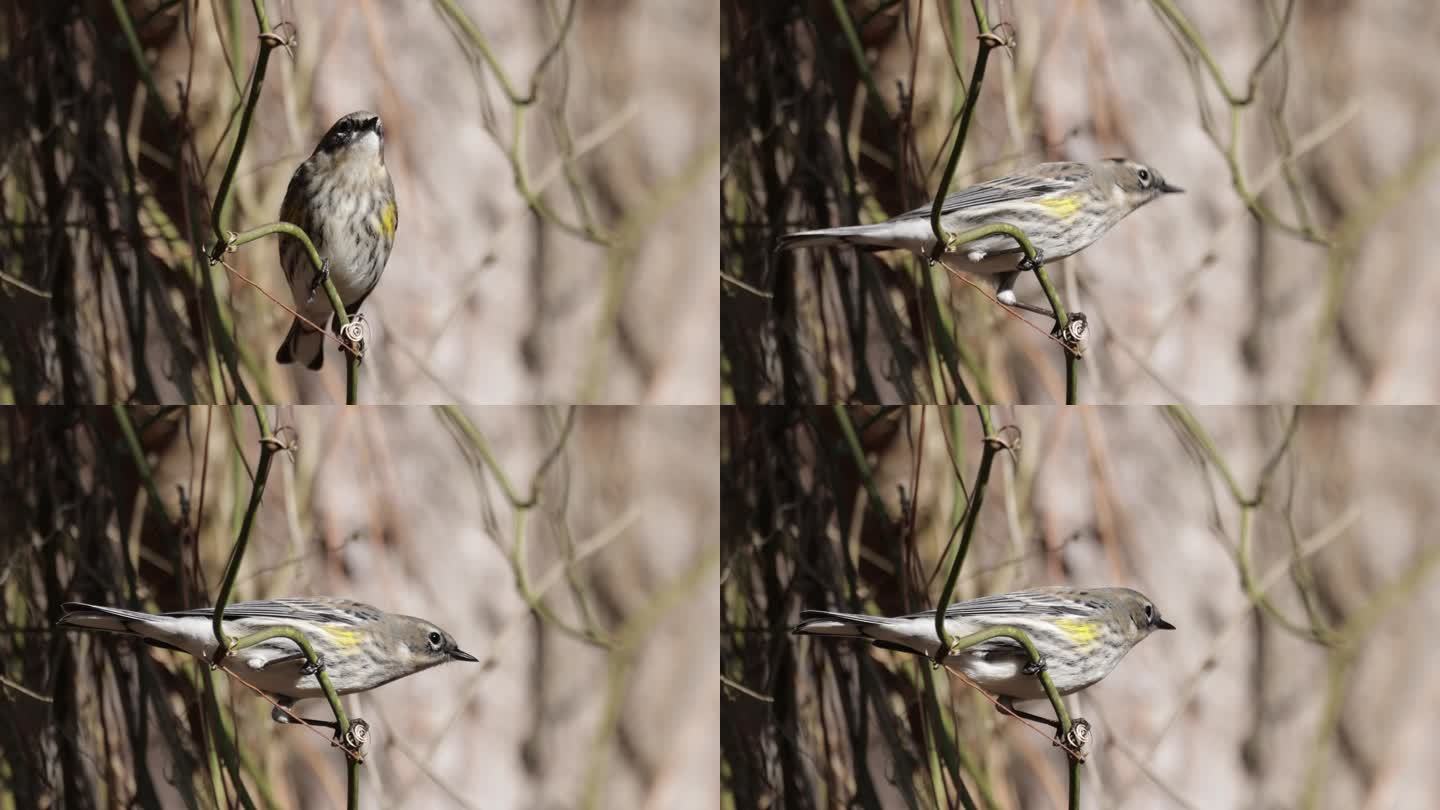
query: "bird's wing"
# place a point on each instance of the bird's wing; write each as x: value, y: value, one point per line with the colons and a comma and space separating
x: 1011, y: 604
x: 299, y: 609
x: 1005, y: 189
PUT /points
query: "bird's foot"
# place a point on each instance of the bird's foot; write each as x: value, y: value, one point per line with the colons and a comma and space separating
x: 320, y: 278
x: 1035, y: 667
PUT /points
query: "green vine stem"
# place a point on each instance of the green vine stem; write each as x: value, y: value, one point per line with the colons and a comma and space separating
x: 352, y: 358
x: 972, y: 513
x: 341, y: 718
x: 988, y: 42
x: 945, y: 242
x: 1056, y: 702
x: 1069, y: 339
x: 993, y: 444
x: 269, y: 446
x: 269, y: 41
x: 225, y: 242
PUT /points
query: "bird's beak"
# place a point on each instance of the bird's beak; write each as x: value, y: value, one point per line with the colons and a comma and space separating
x: 461, y: 655
x: 1161, y: 624
x: 1166, y: 188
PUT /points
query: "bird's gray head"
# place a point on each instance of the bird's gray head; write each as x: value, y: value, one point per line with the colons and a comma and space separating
x: 1137, y: 182
x: 357, y: 134
x: 1136, y: 613
x: 423, y: 644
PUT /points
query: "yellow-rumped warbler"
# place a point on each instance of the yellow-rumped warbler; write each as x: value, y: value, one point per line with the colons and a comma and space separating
x: 1061, y: 207
x: 359, y: 646
x: 1081, y: 633
x: 342, y: 197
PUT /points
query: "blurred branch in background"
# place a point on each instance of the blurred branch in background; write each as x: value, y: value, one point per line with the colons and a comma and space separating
x: 1343, y: 641
x: 471, y: 36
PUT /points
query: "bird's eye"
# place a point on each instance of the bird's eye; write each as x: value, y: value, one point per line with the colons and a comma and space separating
x: 1150, y: 613
x: 1144, y: 175
x: 434, y: 639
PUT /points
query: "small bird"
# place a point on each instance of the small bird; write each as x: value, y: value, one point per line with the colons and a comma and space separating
x: 1061, y: 207
x: 343, y: 199
x: 359, y: 646
x: 1081, y: 633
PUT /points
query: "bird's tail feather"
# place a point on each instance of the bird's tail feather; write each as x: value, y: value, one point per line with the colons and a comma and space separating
x: 303, y: 344
x: 828, y: 623
x: 99, y: 617
x: 881, y: 235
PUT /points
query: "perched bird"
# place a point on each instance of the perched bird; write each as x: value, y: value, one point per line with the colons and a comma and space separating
x: 1081, y: 633
x: 1061, y: 207
x: 359, y: 646
x: 342, y: 197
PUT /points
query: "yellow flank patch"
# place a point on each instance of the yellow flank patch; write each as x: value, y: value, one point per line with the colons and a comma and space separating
x: 1080, y: 631
x: 1063, y: 207
x: 343, y: 637
x: 387, y: 220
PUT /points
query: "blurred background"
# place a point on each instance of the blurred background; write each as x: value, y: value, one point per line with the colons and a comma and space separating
x: 555, y: 165
x: 572, y: 551
x: 1294, y: 550
x: 1294, y: 269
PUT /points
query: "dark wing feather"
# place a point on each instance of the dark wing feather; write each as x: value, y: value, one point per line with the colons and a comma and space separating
x: 1012, y: 604
x: 1005, y: 189
x: 294, y: 211
x: 302, y: 609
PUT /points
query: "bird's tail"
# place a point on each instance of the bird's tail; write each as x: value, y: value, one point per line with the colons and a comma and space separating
x: 157, y: 631
x: 828, y: 623
x: 898, y: 634
x: 904, y: 233
x: 99, y: 617
x: 304, y: 344
x: 881, y: 235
